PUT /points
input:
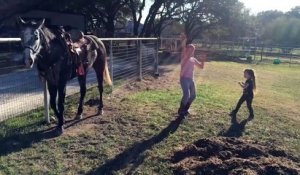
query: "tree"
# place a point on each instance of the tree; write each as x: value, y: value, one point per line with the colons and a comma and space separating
x: 161, y: 13
x: 98, y: 13
x: 12, y: 7
x: 136, y: 7
x: 283, y: 31
x: 294, y: 12
x: 150, y: 19
x: 167, y: 15
x: 268, y: 16
x: 198, y: 16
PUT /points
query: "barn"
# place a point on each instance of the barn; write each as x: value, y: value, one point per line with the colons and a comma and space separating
x: 8, y: 27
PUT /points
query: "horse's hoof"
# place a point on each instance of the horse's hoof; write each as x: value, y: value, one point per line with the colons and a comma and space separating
x: 100, y: 112
x: 59, y: 130
x: 53, y: 119
x: 78, y: 117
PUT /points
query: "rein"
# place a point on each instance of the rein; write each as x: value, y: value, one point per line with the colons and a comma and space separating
x: 46, y: 68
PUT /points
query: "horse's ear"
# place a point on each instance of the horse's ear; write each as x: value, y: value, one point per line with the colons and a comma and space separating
x: 20, y: 21
x: 41, y: 23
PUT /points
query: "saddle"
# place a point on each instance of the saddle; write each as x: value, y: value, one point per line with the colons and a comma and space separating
x: 77, y: 49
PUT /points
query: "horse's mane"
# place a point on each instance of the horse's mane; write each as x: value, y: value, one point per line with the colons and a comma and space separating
x: 50, y: 32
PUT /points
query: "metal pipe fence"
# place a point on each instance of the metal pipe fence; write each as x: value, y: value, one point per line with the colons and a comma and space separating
x: 239, y: 50
x: 22, y: 91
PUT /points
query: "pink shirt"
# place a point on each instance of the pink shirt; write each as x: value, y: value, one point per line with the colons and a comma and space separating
x: 187, y: 68
x: 187, y: 61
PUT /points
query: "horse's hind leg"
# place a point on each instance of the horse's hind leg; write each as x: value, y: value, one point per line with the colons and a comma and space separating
x: 82, y: 84
x: 99, y: 68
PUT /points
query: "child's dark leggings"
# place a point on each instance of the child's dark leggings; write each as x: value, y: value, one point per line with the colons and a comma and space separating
x: 248, y: 100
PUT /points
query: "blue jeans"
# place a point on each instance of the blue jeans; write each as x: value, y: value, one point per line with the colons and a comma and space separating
x: 188, y: 89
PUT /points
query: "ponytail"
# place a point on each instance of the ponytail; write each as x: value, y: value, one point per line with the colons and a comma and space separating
x: 252, y: 74
x: 254, y: 83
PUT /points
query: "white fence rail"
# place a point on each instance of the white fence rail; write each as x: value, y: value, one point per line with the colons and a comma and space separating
x: 22, y: 91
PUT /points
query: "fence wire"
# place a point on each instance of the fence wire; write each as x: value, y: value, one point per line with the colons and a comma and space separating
x: 21, y: 90
x: 229, y: 50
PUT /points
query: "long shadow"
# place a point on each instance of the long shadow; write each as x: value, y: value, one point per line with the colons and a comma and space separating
x: 236, y: 129
x: 134, y: 155
x: 20, y: 141
x: 16, y: 141
x: 74, y: 122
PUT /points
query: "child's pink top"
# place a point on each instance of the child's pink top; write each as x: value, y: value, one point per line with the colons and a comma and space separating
x: 188, y: 62
x: 187, y: 68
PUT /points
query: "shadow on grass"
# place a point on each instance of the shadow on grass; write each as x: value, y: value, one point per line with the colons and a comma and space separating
x: 16, y: 141
x: 236, y: 129
x: 74, y: 122
x: 134, y: 155
x: 21, y: 141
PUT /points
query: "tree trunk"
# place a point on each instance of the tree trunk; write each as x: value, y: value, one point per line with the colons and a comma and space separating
x: 148, y: 25
x: 110, y: 27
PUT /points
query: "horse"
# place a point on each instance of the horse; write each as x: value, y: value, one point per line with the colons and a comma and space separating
x: 56, y: 63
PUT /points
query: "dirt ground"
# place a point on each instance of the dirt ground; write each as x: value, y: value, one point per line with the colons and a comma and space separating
x: 222, y: 155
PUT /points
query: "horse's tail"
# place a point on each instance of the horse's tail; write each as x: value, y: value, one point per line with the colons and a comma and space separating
x: 101, y: 46
x: 106, y: 73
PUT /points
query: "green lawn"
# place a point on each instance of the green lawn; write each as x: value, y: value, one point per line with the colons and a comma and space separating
x: 138, y: 135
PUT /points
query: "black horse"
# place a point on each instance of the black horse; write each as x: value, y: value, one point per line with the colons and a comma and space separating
x: 57, y: 64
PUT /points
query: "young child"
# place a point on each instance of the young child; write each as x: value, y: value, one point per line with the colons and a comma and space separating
x: 248, y: 87
x: 188, y: 61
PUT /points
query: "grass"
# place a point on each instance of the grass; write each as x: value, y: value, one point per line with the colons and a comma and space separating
x: 138, y: 134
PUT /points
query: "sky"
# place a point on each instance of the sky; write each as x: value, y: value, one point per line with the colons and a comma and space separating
x: 256, y: 6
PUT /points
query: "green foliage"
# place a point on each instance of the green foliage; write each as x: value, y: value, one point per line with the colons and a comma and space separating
x: 283, y: 31
x: 294, y: 12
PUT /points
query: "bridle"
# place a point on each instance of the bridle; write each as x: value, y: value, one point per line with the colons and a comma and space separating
x: 32, y: 49
x: 41, y: 43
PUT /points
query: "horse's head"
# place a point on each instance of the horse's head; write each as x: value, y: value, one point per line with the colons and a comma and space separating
x: 30, y: 33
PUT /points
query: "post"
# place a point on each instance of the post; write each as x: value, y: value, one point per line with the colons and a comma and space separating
x: 111, y: 60
x: 139, y: 60
x: 46, y: 102
x: 261, y: 52
x: 156, y: 73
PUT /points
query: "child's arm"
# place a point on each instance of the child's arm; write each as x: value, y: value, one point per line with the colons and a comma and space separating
x: 199, y: 64
x: 183, y: 41
x: 243, y: 85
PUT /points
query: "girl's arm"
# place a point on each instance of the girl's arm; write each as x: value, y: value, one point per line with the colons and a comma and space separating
x: 183, y: 40
x: 199, y: 64
x: 243, y: 85
x: 201, y: 61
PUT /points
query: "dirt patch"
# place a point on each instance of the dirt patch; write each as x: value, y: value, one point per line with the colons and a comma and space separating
x: 168, y: 77
x: 75, y: 131
x: 222, y: 155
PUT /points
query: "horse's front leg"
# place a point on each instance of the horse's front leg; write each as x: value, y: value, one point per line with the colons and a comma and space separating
x: 82, y: 84
x: 53, y: 94
x: 61, y: 108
